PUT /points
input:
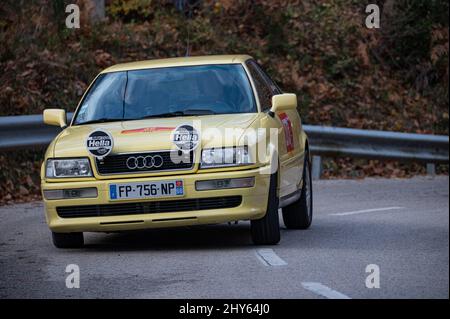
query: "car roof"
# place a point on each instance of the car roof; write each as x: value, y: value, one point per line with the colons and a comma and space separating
x: 173, y: 62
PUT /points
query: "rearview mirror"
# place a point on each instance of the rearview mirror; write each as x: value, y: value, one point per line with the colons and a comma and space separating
x: 55, y: 117
x: 284, y: 102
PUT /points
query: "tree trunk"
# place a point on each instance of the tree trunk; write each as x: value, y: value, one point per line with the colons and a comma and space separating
x: 98, y: 10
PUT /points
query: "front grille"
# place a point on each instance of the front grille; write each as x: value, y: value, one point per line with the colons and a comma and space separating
x: 152, y: 207
x: 141, y: 162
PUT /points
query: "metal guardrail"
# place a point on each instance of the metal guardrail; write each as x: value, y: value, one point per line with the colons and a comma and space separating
x: 29, y: 131
x: 25, y: 131
x: 336, y: 141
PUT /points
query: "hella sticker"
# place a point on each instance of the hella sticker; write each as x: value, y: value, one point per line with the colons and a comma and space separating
x: 99, y: 143
x: 185, y: 137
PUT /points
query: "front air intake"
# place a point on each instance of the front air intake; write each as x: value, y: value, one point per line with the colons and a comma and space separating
x: 150, y: 207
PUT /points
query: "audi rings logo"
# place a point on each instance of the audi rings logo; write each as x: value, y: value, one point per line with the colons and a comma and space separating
x: 141, y: 162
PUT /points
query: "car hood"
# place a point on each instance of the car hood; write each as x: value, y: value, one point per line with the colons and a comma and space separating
x: 151, y: 134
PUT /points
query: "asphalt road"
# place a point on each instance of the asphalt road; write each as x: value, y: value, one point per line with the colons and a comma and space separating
x: 399, y: 225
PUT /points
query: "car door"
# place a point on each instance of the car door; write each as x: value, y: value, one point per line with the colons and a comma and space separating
x: 288, y: 122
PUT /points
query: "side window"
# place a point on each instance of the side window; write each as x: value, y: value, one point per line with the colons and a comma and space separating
x: 265, y: 87
x: 273, y: 86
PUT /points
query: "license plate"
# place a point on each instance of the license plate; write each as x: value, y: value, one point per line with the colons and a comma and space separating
x: 146, y: 190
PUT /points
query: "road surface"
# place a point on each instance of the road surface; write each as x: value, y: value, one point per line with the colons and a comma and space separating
x: 396, y: 228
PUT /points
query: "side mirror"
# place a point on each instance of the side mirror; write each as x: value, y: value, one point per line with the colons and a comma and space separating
x: 283, y: 102
x: 55, y: 117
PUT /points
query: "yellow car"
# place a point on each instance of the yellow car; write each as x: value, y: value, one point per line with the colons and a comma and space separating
x: 178, y: 142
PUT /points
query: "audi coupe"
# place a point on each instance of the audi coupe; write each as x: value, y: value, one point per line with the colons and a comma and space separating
x: 178, y: 142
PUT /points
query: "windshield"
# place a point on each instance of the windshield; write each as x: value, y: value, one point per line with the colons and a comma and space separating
x: 172, y: 91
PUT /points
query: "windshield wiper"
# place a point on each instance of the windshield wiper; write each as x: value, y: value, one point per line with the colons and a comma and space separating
x: 102, y: 120
x: 198, y: 112
x: 169, y: 114
x: 188, y: 112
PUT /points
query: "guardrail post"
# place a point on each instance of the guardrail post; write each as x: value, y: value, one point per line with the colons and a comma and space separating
x: 316, y: 167
x: 431, y: 169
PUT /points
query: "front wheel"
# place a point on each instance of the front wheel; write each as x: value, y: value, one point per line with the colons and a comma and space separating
x: 266, y: 231
x: 68, y: 240
x: 298, y: 215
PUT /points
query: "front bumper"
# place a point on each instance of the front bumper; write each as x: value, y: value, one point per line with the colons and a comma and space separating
x: 253, y: 205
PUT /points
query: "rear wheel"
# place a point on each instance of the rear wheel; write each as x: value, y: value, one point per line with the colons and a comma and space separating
x: 266, y: 231
x: 68, y: 240
x: 298, y: 215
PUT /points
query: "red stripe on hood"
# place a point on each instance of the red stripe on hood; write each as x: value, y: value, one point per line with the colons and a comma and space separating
x: 148, y: 130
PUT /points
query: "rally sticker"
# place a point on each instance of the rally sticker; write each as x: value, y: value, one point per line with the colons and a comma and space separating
x: 99, y: 143
x: 148, y: 130
x: 185, y: 137
x: 288, y: 134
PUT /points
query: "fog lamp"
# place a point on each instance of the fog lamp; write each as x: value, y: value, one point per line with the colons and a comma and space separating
x: 225, y: 183
x: 90, y: 192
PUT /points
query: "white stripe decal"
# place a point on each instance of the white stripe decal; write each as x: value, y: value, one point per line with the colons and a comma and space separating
x: 269, y: 258
x: 368, y: 211
x: 324, y: 291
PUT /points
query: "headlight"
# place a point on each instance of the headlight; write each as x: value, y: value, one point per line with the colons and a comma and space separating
x: 74, y: 167
x: 225, y: 157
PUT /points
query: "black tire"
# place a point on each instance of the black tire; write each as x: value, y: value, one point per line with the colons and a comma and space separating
x: 266, y: 231
x: 299, y: 214
x: 68, y: 240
